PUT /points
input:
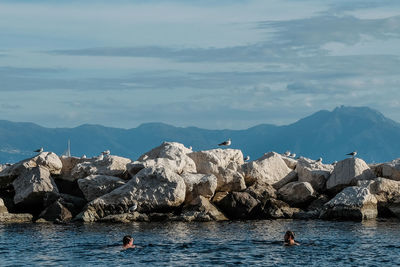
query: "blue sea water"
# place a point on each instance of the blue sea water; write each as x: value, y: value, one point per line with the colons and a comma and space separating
x: 323, y: 243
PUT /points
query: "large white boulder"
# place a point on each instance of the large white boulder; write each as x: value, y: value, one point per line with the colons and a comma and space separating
x: 48, y: 160
x: 95, y: 186
x: 352, y: 203
x: 152, y: 189
x: 347, y: 172
x: 225, y: 164
x: 297, y: 193
x: 290, y: 162
x: 104, y: 165
x: 199, y: 185
x: 34, y: 186
x: 314, y: 172
x: 391, y: 170
x: 172, y: 155
x: 268, y: 169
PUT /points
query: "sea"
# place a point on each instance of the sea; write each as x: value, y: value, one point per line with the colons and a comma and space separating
x: 231, y: 243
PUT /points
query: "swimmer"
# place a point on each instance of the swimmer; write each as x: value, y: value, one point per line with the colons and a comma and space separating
x: 289, y: 239
x: 127, y: 242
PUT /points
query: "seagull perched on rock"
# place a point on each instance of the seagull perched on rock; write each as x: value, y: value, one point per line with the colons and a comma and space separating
x: 107, y: 152
x: 145, y: 157
x: 226, y: 143
x: 334, y: 163
x: 293, y: 155
x: 287, y: 153
x: 40, y: 150
x: 133, y: 207
x: 247, y: 158
x: 319, y: 160
x: 83, y: 157
x: 352, y: 154
x: 190, y: 147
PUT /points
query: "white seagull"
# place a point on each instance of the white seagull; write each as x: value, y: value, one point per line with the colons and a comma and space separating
x: 133, y: 207
x: 226, y: 143
x: 83, y: 157
x: 40, y: 150
x: 293, y: 155
x: 353, y: 154
x: 319, y: 160
x: 107, y: 152
x: 287, y: 153
x: 247, y: 158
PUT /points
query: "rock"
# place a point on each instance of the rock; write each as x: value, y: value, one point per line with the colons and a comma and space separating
x: 68, y: 164
x: 56, y: 212
x: 152, y: 189
x: 268, y: 169
x: 314, y: 172
x: 290, y: 162
x: 261, y: 191
x: 104, y: 165
x: 34, y: 187
x: 15, y: 218
x: 297, y: 193
x: 347, y: 172
x: 48, y: 160
x: 199, y: 185
x: 387, y: 193
x: 219, y: 196
x: 225, y: 164
x: 352, y: 203
x: 275, y: 209
x: 95, y: 186
x: 125, y: 218
x: 201, y: 209
x: 174, y: 154
x: 160, y: 217
x: 3, y: 208
x: 318, y: 204
x: 178, y: 166
x: 391, y: 170
x: 291, y: 177
x: 237, y: 205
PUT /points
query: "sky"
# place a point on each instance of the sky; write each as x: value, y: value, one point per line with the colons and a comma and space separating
x: 211, y: 64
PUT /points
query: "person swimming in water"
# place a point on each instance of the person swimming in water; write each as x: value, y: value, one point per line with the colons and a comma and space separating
x: 289, y: 239
x: 127, y: 242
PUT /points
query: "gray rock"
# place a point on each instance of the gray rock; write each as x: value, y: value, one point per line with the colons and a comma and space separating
x: 353, y: 203
x: 391, y: 170
x: 34, y: 186
x: 291, y: 177
x: 261, y: 191
x: 201, y: 209
x: 225, y: 164
x: 68, y: 164
x: 268, y: 169
x: 103, y: 165
x: 314, y: 173
x: 3, y: 208
x: 297, y: 193
x: 347, y: 172
x: 15, y: 218
x: 237, y: 205
x: 95, y: 186
x: 199, y: 185
x: 56, y: 212
x: 276, y: 209
x: 125, y: 218
x: 152, y: 189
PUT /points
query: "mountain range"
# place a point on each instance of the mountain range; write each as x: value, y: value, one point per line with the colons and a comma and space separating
x: 326, y: 134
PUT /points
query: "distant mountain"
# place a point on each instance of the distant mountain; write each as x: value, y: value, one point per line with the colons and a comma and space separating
x: 326, y: 134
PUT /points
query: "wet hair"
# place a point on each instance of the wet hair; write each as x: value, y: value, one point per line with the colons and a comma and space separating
x: 289, y: 235
x: 126, y: 240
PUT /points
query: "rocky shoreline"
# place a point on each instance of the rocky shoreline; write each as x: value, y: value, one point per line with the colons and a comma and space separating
x: 172, y: 182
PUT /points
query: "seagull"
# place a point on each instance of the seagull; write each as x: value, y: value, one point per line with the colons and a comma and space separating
x: 107, y: 152
x: 190, y: 147
x: 247, y: 158
x: 83, y: 157
x: 287, y: 153
x: 226, y: 143
x: 293, y: 155
x: 40, y: 150
x: 145, y: 157
x: 319, y: 160
x: 334, y: 163
x: 353, y: 154
x: 133, y: 208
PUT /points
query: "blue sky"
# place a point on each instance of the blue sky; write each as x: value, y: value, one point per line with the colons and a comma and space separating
x: 230, y: 64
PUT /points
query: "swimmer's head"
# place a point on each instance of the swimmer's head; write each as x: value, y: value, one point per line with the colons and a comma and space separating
x: 126, y: 240
x: 289, y: 235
